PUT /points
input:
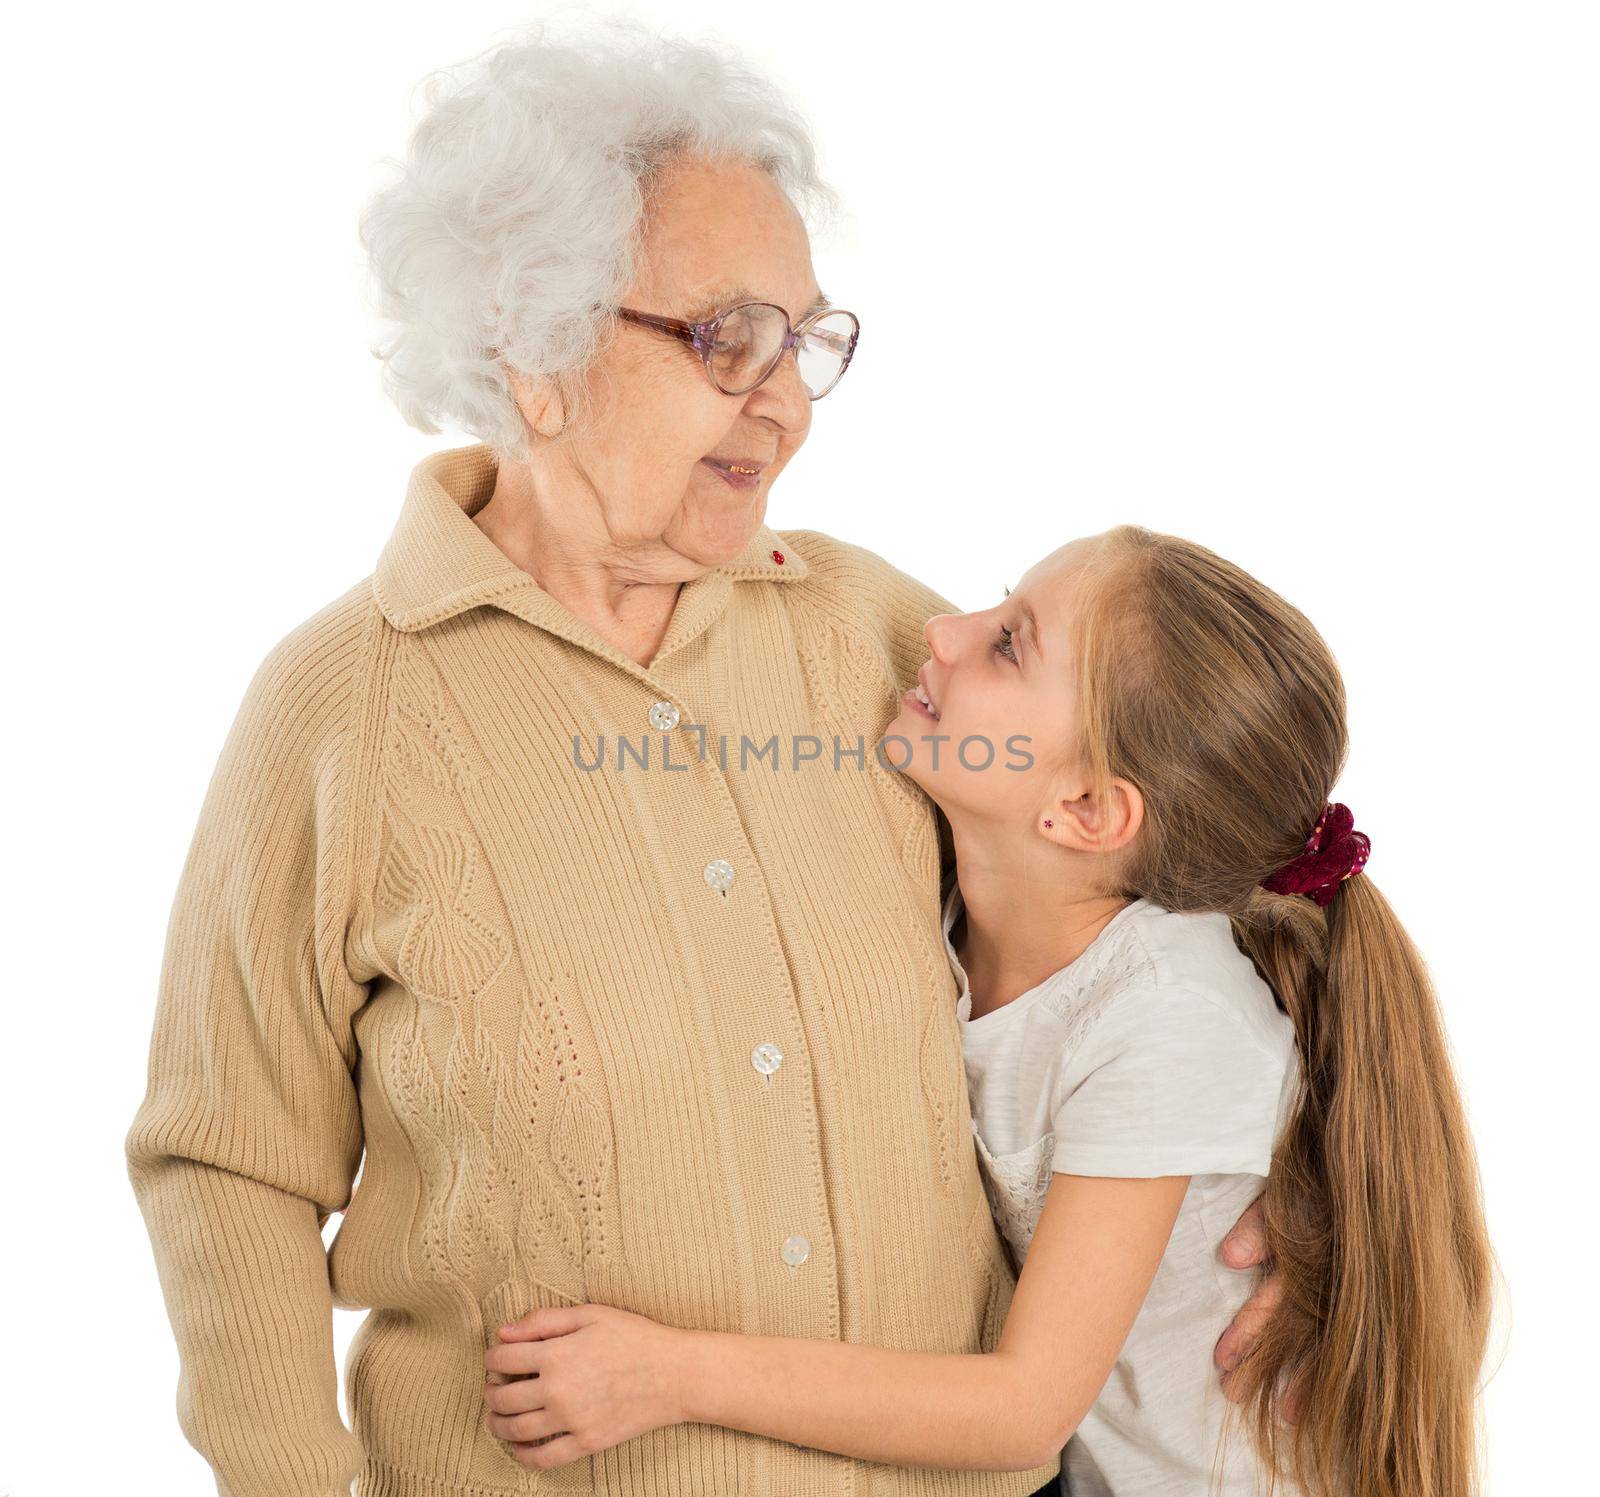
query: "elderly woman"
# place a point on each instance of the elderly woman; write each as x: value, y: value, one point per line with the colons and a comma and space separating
x: 551, y: 868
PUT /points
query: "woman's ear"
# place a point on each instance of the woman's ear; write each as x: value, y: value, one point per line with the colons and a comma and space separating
x: 540, y: 401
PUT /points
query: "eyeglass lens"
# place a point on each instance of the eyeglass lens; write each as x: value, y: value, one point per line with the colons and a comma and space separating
x: 750, y: 337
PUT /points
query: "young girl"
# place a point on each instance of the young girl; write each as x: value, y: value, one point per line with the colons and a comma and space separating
x: 1175, y: 979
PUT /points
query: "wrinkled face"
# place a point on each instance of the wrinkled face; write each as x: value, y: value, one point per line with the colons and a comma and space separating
x: 1002, y: 687
x: 715, y: 234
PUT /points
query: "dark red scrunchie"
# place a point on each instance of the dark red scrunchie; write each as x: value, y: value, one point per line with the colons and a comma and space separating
x: 1334, y: 852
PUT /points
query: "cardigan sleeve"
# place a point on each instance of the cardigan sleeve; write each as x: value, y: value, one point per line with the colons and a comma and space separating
x: 899, y: 606
x: 911, y: 605
x: 249, y: 1135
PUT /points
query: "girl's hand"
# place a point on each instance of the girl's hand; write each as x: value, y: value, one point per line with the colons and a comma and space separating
x: 592, y: 1374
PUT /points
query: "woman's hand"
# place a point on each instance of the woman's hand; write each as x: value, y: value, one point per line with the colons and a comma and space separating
x: 1245, y: 1246
x: 592, y: 1374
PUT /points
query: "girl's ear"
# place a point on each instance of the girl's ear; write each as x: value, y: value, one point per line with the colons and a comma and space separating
x: 1129, y: 812
x: 1082, y: 820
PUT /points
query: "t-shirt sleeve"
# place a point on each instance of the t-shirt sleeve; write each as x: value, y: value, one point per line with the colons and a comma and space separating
x: 1169, y: 1082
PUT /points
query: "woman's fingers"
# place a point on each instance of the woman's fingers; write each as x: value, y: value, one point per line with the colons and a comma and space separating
x: 1294, y: 1401
x: 1245, y: 1246
x: 1243, y: 1329
x: 1234, y: 1345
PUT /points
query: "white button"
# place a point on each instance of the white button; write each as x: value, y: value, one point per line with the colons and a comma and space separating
x: 719, y: 873
x: 664, y: 715
x: 766, y: 1057
x: 796, y: 1250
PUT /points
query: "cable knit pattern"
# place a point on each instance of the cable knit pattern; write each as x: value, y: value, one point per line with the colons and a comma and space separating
x: 453, y: 947
x: 420, y: 939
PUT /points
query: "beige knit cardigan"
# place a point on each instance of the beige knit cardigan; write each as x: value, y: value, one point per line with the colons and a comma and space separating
x: 678, y: 1039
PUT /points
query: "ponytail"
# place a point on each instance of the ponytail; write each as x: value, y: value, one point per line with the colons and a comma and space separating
x: 1373, y: 1214
x: 1223, y: 704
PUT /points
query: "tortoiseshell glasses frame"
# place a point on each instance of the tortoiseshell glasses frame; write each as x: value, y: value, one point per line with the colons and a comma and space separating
x: 702, y: 337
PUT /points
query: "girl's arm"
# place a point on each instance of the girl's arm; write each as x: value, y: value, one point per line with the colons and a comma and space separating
x: 591, y: 1376
x: 1088, y: 1269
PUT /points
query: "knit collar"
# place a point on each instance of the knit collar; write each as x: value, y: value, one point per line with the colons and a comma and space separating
x: 437, y: 563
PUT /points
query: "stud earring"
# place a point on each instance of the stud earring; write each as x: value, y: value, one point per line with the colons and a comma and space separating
x: 1049, y: 823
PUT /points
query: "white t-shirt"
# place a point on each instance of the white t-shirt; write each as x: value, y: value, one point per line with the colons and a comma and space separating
x: 1159, y: 1051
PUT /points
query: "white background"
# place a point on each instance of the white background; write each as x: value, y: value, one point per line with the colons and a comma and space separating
x: 1318, y: 286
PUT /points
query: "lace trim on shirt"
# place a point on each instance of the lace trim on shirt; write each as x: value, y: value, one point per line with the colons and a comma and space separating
x: 1016, y: 1185
x: 1080, y: 994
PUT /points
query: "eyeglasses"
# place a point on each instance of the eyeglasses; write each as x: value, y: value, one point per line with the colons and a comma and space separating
x: 742, y: 345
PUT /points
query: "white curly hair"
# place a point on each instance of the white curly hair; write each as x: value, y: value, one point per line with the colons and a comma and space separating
x: 512, y: 227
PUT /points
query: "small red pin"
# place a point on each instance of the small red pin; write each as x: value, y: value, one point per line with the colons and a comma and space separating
x: 777, y: 556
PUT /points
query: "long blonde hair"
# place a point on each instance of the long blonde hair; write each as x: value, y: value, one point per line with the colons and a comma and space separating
x: 1224, y: 706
